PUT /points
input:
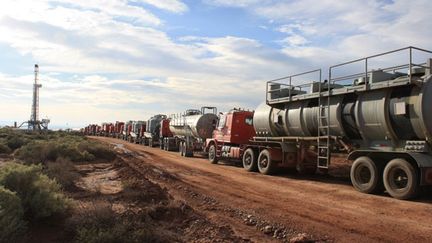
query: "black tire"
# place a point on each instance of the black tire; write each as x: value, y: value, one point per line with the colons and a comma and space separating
x: 187, y: 152
x: 401, y: 179
x: 265, y: 163
x: 150, y: 142
x: 366, y: 176
x: 250, y: 160
x: 161, y: 144
x: 181, y: 149
x: 212, y: 154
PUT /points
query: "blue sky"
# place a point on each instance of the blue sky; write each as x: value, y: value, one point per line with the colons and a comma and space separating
x: 111, y: 60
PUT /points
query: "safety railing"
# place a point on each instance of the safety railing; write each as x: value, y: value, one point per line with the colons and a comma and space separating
x: 286, y: 87
x: 365, y: 76
x: 283, y: 89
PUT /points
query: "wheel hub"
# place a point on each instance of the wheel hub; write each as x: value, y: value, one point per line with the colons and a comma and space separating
x: 363, y: 175
x: 248, y: 160
x: 264, y: 163
x: 400, y: 178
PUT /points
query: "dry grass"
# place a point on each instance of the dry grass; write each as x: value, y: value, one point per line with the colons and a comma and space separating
x: 98, y: 222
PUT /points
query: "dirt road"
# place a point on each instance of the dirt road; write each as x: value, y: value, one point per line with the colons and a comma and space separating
x: 273, y: 208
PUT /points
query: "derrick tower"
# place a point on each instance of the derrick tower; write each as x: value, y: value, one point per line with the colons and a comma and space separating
x: 34, y: 123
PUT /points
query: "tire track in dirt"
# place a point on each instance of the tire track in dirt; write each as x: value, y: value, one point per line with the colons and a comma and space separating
x: 313, y: 206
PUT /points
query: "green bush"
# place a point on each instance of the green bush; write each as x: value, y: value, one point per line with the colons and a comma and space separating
x: 74, y: 148
x: 33, y: 153
x: 41, y: 196
x: 63, y: 171
x: 65, y: 149
x: 16, y: 141
x: 4, y: 149
x: 98, y: 150
x: 86, y: 156
x: 12, y: 225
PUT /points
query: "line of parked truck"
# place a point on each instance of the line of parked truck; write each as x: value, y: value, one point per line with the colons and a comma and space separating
x: 379, y: 118
x: 193, y: 131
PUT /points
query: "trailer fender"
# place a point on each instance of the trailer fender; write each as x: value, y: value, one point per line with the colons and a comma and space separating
x: 423, y: 160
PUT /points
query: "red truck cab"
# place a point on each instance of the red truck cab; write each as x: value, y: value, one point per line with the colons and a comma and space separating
x: 165, y: 133
x: 235, y: 128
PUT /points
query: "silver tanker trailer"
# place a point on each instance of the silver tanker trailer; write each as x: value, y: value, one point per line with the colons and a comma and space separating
x: 379, y: 118
x: 191, y: 128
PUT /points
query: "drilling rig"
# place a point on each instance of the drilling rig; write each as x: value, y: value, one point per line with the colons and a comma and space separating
x: 34, y: 124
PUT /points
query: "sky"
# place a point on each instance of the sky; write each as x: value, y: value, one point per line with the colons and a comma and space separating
x: 117, y: 60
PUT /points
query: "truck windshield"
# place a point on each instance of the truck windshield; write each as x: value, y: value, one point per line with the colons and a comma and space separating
x: 249, y: 121
x: 222, y: 120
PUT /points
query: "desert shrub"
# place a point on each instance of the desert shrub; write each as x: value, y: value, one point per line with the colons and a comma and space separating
x: 63, y: 149
x: 12, y: 225
x: 40, y: 196
x: 16, y: 141
x: 43, y: 151
x: 86, y: 156
x: 101, y: 224
x: 74, y: 148
x: 34, y: 152
x: 63, y: 171
x: 98, y: 150
x: 4, y: 149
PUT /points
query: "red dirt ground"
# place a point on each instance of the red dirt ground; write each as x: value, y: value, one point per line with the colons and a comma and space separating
x: 286, y: 207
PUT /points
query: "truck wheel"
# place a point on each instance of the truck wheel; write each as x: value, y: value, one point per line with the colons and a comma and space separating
x: 181, y: 149
x: 365, y: 176
x: 401, y: 179
x: 212, y: 154
x: 265, y: 163
x: 250, y: 160
x: 187, y: 151
x: 161, y: 144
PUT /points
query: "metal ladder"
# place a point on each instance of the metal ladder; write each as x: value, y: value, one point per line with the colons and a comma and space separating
x: 323, y: 141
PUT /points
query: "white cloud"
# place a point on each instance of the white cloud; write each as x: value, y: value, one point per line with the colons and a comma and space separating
x: 295, y: 40
x: 334, y: 31
x: 169, y: 5
x: 235, y: 3
x: 110, y: 60
x: 79, y: 14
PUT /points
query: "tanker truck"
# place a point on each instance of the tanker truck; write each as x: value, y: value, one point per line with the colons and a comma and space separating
x: 165, y: 132
x: 127, y: 128
x: 137, y: 132
x: 118, y: 129
x: 107, y: 129
x: 381, y: 119
x: 191, y: 129
x: 233, y: 132
x: 151, y: 135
